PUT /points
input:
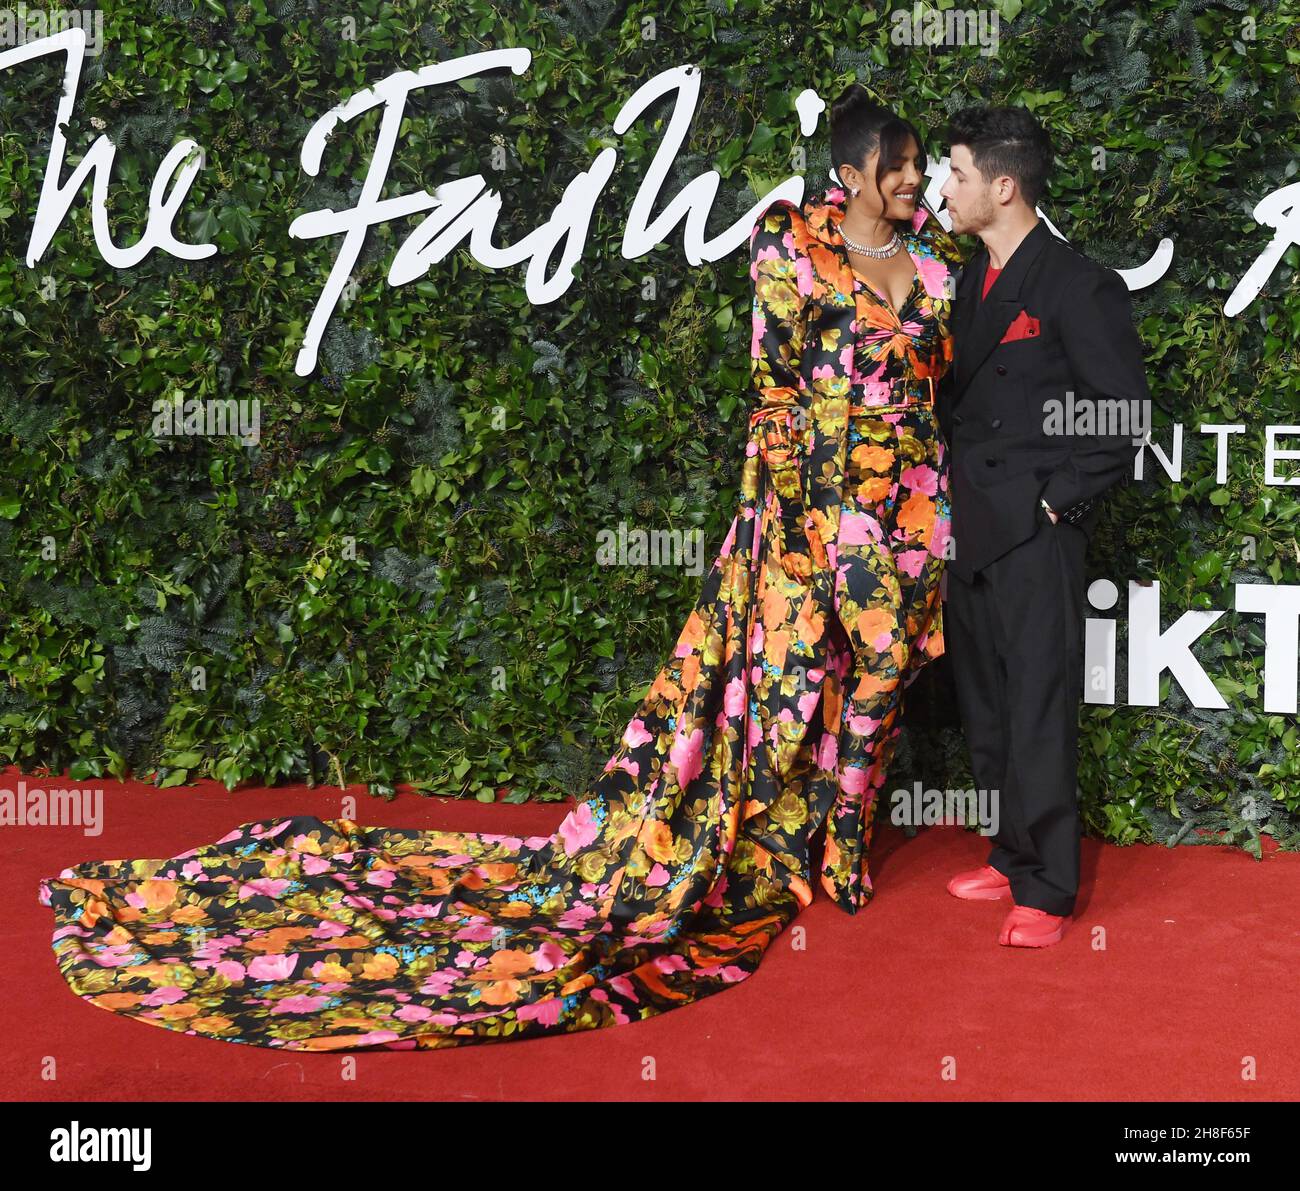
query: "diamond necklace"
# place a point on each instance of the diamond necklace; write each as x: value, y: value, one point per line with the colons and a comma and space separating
x: 881, y: 253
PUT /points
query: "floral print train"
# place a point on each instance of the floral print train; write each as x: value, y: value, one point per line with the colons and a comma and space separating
x: 774, y: 716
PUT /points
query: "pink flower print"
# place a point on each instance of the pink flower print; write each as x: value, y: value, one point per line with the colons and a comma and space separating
x: 578, y: 829
x: 687, y: 755
x: 911, y: 561
x: 271, y: 832
x: 731, y: 973
x: 635, y: 734
x: 168, y: 995
x: 64, y: 931
x: 547, y: 1012
x: 625, y: 989
x: 853, y: 780
x: 232, y: 970
x: 313, y: 866
x: 933, y: 274
x: 576, y: 917
x: 827, y: 752
x: 477, y: 932
x: 210, y: 950
x: 383, y: 877
x: 808, y: 704
x: 921, y: 478
x: 262, y: 887
x: 413, y: 1013
x: 549, y: 956
x: 329, y: 930
x: 940, y: 536
x: 305, y: 1004
x: 803, y: 270
x: 734, y: 700
x: 862, y: 725
x: 439, y: 983
x: 114, y: 957
x: 856, y: 529
x: 670, y: 963
x: 273, y: 967
x: 658, y: 876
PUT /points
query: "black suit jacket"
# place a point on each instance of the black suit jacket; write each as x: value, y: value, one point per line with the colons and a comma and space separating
x: 994, y: 404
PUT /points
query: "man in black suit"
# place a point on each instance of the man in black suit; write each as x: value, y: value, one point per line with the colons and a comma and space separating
x: 1042, y: 410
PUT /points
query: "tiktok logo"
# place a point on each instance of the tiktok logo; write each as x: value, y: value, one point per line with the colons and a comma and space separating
x: 1151, y: 652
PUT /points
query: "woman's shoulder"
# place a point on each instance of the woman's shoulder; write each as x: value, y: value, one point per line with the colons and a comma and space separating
x: 779, y: 219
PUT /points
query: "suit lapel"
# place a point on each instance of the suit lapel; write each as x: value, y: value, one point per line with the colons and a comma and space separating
x: 980, y: 325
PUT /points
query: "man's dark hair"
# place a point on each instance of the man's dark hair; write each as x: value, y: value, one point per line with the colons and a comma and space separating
x: 1004, y: 140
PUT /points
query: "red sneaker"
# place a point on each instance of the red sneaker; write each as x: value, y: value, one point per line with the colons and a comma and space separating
x: 980, y: 884
x: 1028, y: 926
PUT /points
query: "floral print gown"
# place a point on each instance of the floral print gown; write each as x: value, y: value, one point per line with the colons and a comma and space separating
x: 774, y: 715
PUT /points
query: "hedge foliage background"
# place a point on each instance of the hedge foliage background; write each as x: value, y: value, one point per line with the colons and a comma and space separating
x: 473, y: 445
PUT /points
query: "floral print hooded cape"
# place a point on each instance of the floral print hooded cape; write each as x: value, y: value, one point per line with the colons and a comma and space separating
x: 664, y: 885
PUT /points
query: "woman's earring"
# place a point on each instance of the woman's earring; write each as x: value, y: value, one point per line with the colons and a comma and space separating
x: 854, y: 192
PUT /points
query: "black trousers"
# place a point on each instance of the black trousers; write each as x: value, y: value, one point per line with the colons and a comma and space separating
x: 1015, y: 640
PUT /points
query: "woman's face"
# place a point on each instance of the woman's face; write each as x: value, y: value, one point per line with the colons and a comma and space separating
x: 900, y: 184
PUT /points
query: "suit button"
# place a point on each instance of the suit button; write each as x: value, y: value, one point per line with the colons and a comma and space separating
x: 996, y: 423
x: 1002, y: 370
x: 991, y: 462
x: 956, y: 419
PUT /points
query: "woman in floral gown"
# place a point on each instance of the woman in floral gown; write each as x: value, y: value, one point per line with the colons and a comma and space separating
x: 775, y: 717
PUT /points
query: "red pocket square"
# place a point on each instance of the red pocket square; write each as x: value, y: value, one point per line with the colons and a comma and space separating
x: 1024, y: 327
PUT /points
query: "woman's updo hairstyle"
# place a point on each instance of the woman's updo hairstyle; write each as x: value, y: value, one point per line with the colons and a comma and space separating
x: 861, y: 124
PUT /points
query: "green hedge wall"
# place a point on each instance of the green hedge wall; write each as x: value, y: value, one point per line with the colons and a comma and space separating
x: 471, y: 446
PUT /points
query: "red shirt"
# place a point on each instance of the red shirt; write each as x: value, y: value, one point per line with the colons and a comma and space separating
x: 990, y: 276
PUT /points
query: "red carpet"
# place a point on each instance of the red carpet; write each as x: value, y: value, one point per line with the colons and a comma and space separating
x: 1178, y: 967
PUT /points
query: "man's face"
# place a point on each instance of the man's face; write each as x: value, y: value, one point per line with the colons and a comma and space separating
x: 968, y: 194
